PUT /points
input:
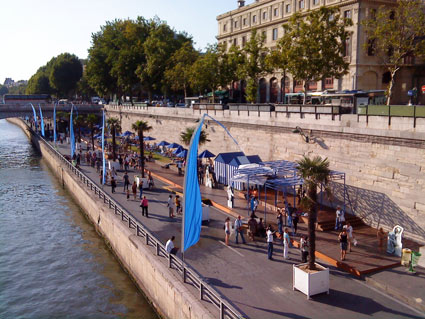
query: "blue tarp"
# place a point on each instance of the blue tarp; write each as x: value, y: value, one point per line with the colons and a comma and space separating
x: 149, y: 138
x: 178, y: 150
x: 163, y: 143
x: 183, y: 153
x: 174, y: 145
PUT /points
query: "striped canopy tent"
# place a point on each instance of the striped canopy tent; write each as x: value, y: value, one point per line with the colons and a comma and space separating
x: 238, y: 162
x: 221, y: 166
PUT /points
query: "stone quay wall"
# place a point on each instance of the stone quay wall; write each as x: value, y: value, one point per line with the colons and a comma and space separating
x: 384, y: 164
x: 170, y: 297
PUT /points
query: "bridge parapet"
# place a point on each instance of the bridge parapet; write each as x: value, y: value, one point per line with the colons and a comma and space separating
x: 19, y: 110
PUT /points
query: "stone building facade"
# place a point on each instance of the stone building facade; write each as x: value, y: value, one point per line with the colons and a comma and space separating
x: 365, y: 72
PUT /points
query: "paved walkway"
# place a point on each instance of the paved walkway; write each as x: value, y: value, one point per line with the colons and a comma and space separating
x: 259, y: 288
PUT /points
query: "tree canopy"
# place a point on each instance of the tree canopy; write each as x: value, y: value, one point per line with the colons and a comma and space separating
x: 313, y: 46
x: 396, y: 33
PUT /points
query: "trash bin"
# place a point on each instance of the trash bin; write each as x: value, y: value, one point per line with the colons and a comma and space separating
x: 414, y: 260
x: 406, y: 257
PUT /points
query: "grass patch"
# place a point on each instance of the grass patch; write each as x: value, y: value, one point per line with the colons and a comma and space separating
x: 396, y: 110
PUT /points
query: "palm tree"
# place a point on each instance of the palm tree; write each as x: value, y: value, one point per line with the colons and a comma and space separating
x: 114, y: 127
x: 139, y: 127
x: 314, y: 172
x: 79, y: 122
x: 186, y: 136
x: 91, y: 120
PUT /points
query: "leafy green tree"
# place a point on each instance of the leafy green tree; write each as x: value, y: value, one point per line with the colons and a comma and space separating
x: 178, y: 74
x: 396, y: 33
x: 140, y: 127
x: 3, y: 90
x: 39, y: 84
x: 114, y: 128
x: 254, y: 64
x: 84, y: 89
x: 215, y: 68
x: 91, y: 121
x: 158, y: 47
x: 65, y: 73
x: 277, y: 60
x: 186, y: 136
x: 315, y: 172
x: 314, y: 45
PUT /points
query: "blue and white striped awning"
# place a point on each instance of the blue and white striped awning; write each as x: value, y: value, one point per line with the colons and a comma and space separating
x: 280, y: 183
x: 281, y: 166
x: 254, y: 169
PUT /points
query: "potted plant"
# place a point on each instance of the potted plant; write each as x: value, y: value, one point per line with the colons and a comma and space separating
x: 312, y: 278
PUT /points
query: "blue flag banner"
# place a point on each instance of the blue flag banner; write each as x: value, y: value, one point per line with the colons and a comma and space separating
x: 71, y: 134
x: 35, y: 116
x: 42, y: 121
x: 54, y: 124
x: 192, y: 204
x: 103, y: 149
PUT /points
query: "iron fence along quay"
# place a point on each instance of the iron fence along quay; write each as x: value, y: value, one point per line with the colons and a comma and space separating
x: 189, y: 275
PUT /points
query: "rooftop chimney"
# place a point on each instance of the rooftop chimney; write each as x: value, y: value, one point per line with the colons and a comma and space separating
x: 241, y: 3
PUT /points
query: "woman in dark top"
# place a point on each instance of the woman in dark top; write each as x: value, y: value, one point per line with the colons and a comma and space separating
x: 343, y: 243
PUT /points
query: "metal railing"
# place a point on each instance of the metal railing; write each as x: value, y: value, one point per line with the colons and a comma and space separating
x: 189, y: 275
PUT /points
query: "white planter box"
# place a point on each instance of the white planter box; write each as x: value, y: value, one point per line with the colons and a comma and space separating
x: 205, y: 214
x: 145, y: 181
x: 311, y: 283
x: 115, y: 165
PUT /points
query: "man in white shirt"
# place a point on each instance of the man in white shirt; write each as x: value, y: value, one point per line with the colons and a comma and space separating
x: 269, y: 234
x: 169, y: 246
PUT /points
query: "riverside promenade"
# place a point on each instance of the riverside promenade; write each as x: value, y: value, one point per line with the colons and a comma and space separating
x: 257, y: 287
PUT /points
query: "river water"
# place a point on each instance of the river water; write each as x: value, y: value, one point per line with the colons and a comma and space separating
x: 52, y: 262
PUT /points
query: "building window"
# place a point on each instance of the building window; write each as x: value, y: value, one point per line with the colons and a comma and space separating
x: 371, y: 47
x: 236, y: 24
x: 347, y: 14
x: 276, y: 12
x: 264, y: 33
x: 275, y: 34
x: 235, y: 42
x: 254, y: 18
x: 301, y: 4
x: 316, y: 2
x: 224, y: 27
x: 264, y: 15
x: 243, y: 41
x: 288, y: 8
x: 347, y: 47
x: 244, y: 21
x: 329, y: 83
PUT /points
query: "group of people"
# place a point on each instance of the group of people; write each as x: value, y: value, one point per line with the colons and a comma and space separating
x: 174, y: 204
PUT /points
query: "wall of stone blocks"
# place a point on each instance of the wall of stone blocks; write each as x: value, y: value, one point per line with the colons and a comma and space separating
x: 384, y: 165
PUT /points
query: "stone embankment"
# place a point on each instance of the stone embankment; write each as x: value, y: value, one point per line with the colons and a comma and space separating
x: 384, y: 164
x: 170, y: 297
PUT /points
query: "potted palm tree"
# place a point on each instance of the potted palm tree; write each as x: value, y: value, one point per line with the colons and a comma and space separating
x: 139, y: 127
x: 91, y: 120
x: 312, y: 278
x: 114, y: 128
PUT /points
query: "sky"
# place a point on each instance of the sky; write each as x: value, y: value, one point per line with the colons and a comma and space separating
x: 32, y: 32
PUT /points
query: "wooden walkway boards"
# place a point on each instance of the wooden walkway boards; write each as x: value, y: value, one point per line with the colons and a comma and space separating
x: 365, y: 258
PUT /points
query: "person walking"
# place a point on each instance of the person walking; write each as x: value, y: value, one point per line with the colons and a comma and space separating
x: 269, y: 234
x: 126, y: 181
x: 150, y: 181
x: 286, y: 241
x: 295, y: 219
x: 169, y: 246
x: 279, y: 221
x: 343, y: 238
x: 113, y: 184
x: 178, y: 205
x: 227, y: 231
x: 170, y: 205
x: 349, y: 230
x: 140, y: 189
x: 338, y: 220
x: 134, y: 189
x: 252, y: 226
x: 304, y: 248
x: 238, y: 230
x: 144, y: 204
